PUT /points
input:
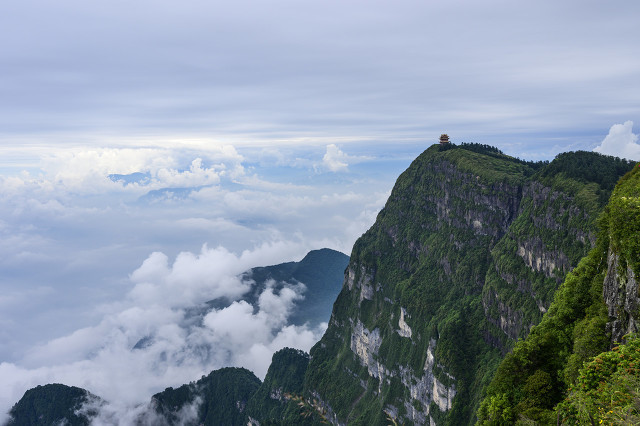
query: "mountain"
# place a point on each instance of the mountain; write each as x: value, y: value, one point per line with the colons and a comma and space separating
x: 217, y: 399
x: 318, y: 277
x: 462, y: 261
x: 276, y: 402
x: 321, y: 272
x: 52, y: 404
x: 595, y: 308
x: 475, y: 256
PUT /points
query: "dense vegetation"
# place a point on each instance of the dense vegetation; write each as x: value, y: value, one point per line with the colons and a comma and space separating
x: 607, y: 391
x: 219, y: 398
x: 541, y: 369
x: 587, y: 167
x: 276, y: 402
x: 49, y: 405
x: 472, y: 245
x: 495, y: 152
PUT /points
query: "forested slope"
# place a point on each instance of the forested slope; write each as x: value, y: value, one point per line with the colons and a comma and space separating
x: 596, y: 306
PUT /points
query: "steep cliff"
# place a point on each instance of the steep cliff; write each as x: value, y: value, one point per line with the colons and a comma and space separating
x: 596, y: 306
x: 463, y: 259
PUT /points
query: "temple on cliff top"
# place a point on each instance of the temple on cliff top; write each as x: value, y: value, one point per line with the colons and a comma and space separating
x: 444, y: 139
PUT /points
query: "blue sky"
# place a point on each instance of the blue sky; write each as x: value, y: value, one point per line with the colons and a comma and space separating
x: 261, y: 130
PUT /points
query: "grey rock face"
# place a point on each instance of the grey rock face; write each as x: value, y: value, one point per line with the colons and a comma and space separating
x: 620, y: 292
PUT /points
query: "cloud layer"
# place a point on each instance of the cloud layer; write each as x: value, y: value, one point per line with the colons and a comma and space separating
x: 108, y: 254
x: 75, y: 227
x: 290, y: 72
x: 132, y: 134
x: 160, y: 336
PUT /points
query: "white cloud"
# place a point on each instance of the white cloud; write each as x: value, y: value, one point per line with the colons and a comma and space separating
x: 81, y: 171
x: 71, y: 227
x: 191, y: 279
x: 76, y: 251
x: 621, y: 142
x: 180, y: 344
x: 335, y: 160
x: 195, y: 176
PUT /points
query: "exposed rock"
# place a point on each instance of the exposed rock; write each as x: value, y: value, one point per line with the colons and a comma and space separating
x: 362, y: 281
x: 276, y: 394
x: 494, y: 205
x: 405, y: 330
x: 509, y: 320
x: 325, y: 409
x: 536, y: 257
x: 446, y: 266
x: 620, y: 292
x: 424, y: 389
x: 365, y: 344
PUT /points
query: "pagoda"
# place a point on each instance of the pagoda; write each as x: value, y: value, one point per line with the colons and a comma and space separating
x: 444, y: 139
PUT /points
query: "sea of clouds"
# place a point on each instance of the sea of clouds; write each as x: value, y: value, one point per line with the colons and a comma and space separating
x: 151, y: 339
x: 107, y: 253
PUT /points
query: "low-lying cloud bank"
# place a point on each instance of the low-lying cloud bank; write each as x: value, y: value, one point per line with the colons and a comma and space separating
x: 162, y: 335
x: 78, y: 220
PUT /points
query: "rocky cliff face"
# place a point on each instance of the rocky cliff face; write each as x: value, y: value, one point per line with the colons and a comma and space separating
x: 620, y: 287
x: 596, y: 306
x: 549, y: 236
x: 464, y: 259
x: 622, y: 296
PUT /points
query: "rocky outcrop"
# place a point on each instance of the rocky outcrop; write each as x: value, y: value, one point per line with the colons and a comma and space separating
x: 423, y: 390
x: 365, y: 344
x: 559, y: 218
x: 508, y: 319
x: 620, y: 292
x: 325, y: 410
x: 404, y: 330
x: 552, y: 263
x: 489, y: 208
x: 550, y: 224
x: 362, y: 281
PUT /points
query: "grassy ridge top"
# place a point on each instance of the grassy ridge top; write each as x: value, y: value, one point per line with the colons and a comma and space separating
x: 481, y: 160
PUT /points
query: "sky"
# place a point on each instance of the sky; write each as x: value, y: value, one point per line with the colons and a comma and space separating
x: 151, y: 151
